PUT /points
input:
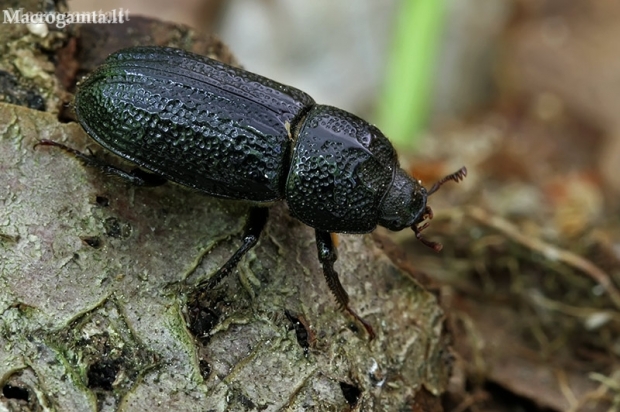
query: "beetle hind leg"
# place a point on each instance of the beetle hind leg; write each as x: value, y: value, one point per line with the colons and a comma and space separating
x: 136, y: 176
x: 327, y: 257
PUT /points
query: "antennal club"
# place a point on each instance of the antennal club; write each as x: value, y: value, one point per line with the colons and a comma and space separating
x: 456, y: 176
x: 419, y: 226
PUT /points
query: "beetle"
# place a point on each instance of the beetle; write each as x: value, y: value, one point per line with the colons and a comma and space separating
x: 234, y: 134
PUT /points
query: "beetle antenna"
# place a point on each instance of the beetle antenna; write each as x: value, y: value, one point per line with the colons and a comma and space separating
x: 418, y: 226
x: 456, y: 176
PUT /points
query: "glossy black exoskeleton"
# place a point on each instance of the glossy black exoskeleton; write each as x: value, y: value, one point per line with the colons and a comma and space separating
x: 234, y: 134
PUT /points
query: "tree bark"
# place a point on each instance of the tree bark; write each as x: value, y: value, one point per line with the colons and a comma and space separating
x: 97, y: 278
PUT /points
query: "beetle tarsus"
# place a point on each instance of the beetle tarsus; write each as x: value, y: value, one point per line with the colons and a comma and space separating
x: 73, y: 152
x: 365, y: 324
x: 327, y: 257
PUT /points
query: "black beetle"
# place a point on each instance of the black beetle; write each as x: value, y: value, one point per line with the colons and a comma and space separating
x: 234, y: 134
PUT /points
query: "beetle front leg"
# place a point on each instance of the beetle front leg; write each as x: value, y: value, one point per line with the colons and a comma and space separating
x: 327, y: 257
x: 136, y: 176
x: 253, y: 228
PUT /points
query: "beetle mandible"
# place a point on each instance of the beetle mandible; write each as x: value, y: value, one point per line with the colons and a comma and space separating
x: 234, y: 134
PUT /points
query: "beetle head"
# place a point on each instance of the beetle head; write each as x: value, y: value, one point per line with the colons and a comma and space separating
x: 404, y: 205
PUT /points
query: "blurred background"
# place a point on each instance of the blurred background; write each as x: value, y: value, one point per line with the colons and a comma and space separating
x: 343, y: 53
x: 413, y: 66
x: 525, y: 93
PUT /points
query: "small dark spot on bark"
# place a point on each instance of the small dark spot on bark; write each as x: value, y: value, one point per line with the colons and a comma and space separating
x: 205, y: 368
x: 353, y: 327
x: 245, y: 401
x: 14, y: 92
x: 102, y: 201
x: 102, y: 374
x: 92, y: 241
x: 351, y: 393
x: 112, y: 227
x: 304, y: 334
x: 201, y: 321
x: 9, y: 238
x: 15, y: 392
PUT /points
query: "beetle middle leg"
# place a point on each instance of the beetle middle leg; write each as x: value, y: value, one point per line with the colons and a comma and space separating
x: 253, y: 228
x: 327, y: 257
x: 136, y: 176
